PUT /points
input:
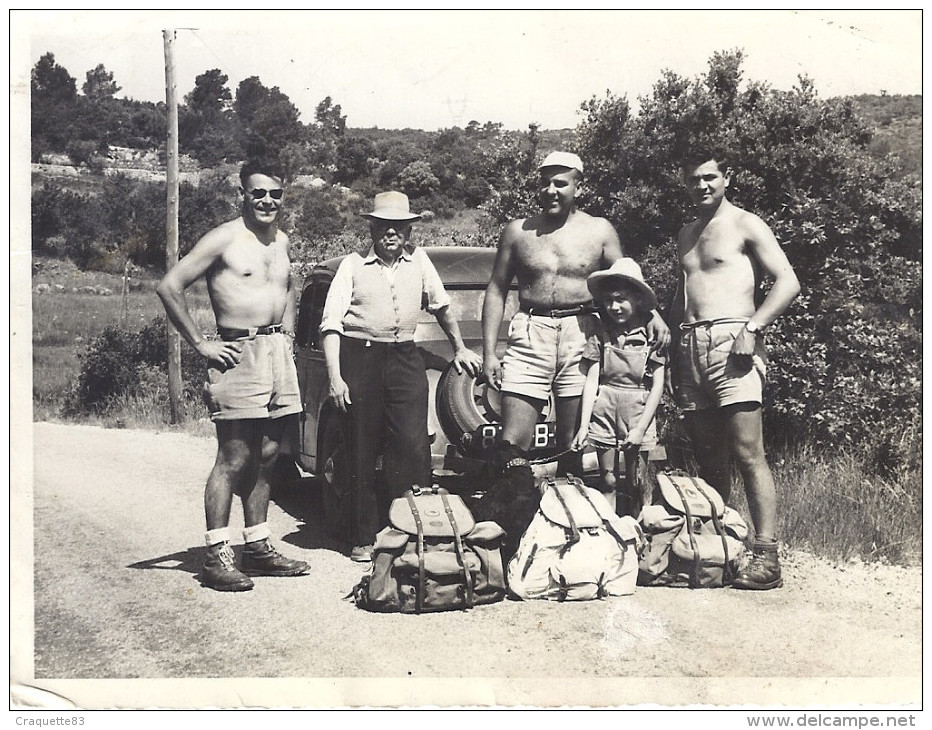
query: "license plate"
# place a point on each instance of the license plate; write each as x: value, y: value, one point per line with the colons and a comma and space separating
x: 545, y: 436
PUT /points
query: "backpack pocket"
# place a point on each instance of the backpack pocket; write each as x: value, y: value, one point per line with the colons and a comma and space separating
x: 445, y: 582
x: 708, y: 571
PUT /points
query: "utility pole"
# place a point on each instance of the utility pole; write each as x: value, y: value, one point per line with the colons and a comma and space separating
x: 171, y: 220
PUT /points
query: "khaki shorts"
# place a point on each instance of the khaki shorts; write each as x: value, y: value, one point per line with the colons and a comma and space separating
x: 544, y: 354
x: 263, y: 385
x: 613, y: 412
x: 704, y: 372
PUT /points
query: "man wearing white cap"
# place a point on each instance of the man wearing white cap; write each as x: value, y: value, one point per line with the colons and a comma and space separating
x: 550, y: 254
x: 377, y: 375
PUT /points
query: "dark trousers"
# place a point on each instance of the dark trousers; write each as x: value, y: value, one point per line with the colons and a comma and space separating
x: 388, y: 415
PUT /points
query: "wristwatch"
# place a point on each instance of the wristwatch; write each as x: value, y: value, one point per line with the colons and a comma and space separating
x: 753, y: 327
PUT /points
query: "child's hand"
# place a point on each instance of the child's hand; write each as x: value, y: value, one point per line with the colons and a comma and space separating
x: 579, y: 441
x: 634, y: 438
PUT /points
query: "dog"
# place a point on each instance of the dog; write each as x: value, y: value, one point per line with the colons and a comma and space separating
x: 513, y: 498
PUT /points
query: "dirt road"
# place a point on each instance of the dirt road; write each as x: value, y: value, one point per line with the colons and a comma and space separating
x: 118, y: 525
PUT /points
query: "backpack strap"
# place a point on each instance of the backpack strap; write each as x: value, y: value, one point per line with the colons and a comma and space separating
x: 573, y: 537
x: 605, y: 523
x: 458, y: 542
x: 694, y: 578
x: 718, y: 528
x: 563, y: 591
x: 421, y: 577
x: 530, y: 559
x: 601, y: 591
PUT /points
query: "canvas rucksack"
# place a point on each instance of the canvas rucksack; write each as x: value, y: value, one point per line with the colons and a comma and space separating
x: 433, y: 556
x: 693, y: 539
x: 576, y: 548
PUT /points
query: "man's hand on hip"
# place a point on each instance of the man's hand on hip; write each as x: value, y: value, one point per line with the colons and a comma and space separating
x: 744, y: 343
x: 227, y: 353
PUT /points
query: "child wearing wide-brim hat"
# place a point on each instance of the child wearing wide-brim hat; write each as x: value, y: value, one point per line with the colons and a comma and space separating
x: 624, y: 384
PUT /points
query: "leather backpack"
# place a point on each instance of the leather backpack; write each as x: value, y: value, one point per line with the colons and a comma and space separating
x: 693, y: 539
x: 433, y: 556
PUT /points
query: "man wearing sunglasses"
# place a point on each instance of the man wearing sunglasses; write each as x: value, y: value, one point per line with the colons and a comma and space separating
x: 252, y: 389
x: 376, y: 372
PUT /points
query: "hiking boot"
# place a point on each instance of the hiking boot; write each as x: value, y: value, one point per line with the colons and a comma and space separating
x: 361, y: 554
x: 266, y: 560
x: 762, y: 570
x: 219, y: 571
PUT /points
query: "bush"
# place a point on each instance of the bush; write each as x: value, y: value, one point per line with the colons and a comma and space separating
x: 108, y: 367
x: 120, y: 363
x: 317, y: 213
x: 54, y: 211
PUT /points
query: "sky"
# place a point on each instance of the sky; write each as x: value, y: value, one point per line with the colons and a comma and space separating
x: 436, y: 69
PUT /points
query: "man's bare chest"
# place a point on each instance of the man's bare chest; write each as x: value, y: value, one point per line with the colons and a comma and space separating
x: 711, y: 249
x: 255, y: 263
x: 557, y: 256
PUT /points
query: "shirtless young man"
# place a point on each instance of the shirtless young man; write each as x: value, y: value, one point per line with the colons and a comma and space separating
x: 252, y: 388
x: 718, y: 353
x: 551, y: 254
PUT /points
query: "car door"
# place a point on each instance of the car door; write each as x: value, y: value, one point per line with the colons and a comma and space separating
x: 311, y: 366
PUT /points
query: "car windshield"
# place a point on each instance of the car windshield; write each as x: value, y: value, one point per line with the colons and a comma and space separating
x: 467, y: 305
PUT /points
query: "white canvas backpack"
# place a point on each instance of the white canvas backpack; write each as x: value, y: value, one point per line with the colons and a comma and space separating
x: 576, y: 548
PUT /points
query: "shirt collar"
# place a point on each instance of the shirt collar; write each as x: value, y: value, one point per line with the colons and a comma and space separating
x: 638, y: 334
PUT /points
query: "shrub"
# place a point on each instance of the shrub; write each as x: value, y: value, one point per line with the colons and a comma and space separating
x: 108, y: 367
x: 119, y: 363
x: 317, y: 213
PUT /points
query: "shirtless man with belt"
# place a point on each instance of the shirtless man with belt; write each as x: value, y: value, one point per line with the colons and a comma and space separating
x: 252, y: 388
x: 550, y: 254
x: 718, y: 357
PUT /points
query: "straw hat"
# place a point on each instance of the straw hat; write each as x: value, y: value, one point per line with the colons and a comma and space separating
x: 392, y: 206
x: 623, y: 270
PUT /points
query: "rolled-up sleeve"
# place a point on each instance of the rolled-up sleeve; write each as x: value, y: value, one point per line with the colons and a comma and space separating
x: 339, y: 297
x: 437, y: 296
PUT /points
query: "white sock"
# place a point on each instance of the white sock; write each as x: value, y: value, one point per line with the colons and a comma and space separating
x: 256, y: 532
x: 215, y: 537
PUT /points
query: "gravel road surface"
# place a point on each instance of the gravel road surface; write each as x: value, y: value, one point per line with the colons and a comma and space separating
x: 118, y: 523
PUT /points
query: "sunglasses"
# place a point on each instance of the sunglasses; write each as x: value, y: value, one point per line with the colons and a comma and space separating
x: 260, y: 193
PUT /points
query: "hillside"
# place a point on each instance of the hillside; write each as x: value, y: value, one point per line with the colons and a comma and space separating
x: 897, y: 123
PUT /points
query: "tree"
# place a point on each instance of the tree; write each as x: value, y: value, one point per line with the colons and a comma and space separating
x: 206, y: 129
x: 210, y: 96
x: 99, y: 84
x: 417, y: 179
x: 267, y: 114
x: 354, y: 157
x: 52, y: 82
x: 329, y: 118
x: 250, y: 96
x: 52, y: 103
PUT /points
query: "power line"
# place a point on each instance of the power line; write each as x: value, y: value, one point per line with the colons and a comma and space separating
x: 224, y: 66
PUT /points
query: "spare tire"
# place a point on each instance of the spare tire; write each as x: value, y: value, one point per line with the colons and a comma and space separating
x: 465, y: 403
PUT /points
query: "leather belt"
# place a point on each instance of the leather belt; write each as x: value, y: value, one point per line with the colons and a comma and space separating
x: 585, y: 308
x: 228, y: 334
